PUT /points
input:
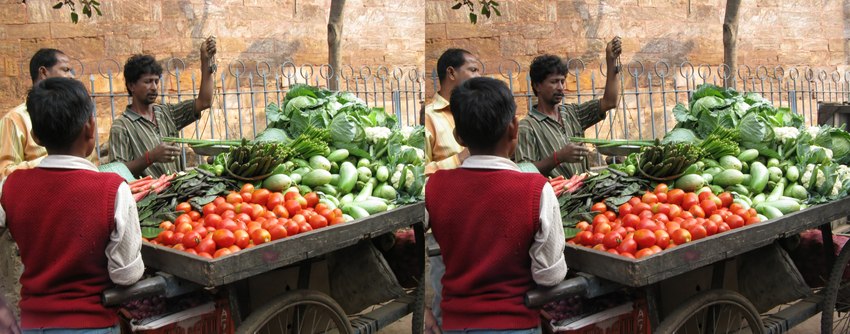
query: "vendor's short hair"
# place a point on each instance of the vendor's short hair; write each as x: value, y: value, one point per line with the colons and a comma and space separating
x: 451, y: 58
x: 59, y: 108
x: 43, y: 57
x: 543, y: 66
x: 482, y: 109
x: 139, y: 65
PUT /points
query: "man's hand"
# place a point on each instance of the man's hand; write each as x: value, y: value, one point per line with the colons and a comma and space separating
x: 613, y: 50
x: 8, y: 324
x: 431, y: 323
x: 164, y: 153
x: 572, y: 153
x: 208, y: 49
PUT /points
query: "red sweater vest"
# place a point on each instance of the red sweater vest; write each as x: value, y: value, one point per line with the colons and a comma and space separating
x: 485, y: 222
x: 61, y: 220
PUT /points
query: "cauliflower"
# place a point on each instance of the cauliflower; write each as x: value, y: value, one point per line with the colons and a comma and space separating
x: 419, y: 152
x: 784, y: 134
x: 395, y: 179
x: 406, y: 131
x: 813, y: 131
x: 807, y: 176
x: 374, y: 134
x: 842, y: 174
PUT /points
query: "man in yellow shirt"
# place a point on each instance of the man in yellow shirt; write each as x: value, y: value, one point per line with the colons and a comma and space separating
x: 441, y: 149
x: 17, y: 148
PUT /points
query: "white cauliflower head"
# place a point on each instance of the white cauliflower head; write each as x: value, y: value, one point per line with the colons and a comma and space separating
x: 784, y: 134
x: 374, y: 134
x: 406, y: 131
x: 813, y: 131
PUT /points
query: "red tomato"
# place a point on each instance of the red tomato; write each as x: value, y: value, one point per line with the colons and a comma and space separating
x: 598, y: 238
x: 674, y: 196
x: 661, y: 188
x: 337, y: 220
x: 234, y: 198
x: 681, y: 236
x: 278, y: 231
x: 627, y: 246
x: 260, y: 196
x: 165, y: 237
x: 705, y: 195
x: 223, y: 238
x: 735, y: 221
x: 661, y: 218
x: 292, y: 228
x: 275, y: 199
x: 585, y: 238
x: 645, y: 214
x: 625, y: 209
x: 222, y: 252
x: 634, y: 200
x: 644, y: 253
x: 212, y: 220
x: 735, y: 206
x: 710, y: 228
x: 708, y: 207
x: 206, y: 246
x: 201, y: 229
x: 697, y: 211
x: 241, y: 238
x: 195, y: 215
x: 611, y: 215
x: 184, y: 206
x: 675, y: 210
x: 723, y: 227
x: 602, y: 227
x: 319, y: 221
x: 599, y: 247
x: 649, y: 198
x: 228, y: 224
x: 630, y: 220
x: 234, y: 248
x: 662, y: 238
x: 716, y: 218
x: 218, y: 200
x: 672, y: 226
x: 246, y: 197
x: 599, y: 207
x: 662, y: 197
x: 292, y: 206
x: 689, y: 200
x: 183, y: 218
x: 698, y: 232
x: 599, y: 219
x: 260, y: 236
x: 640, y: 207
x: 312, y: 199
x: 647, y: 224
x: 184, y: 227
x: 612, y: 251
x: 612, y: 240
x: 645, y: 238
x: 209, y: 209
x: 582, y: 225
x: 221, y: 208
x: 191, y: 251
x: 247, y: 187
x: 752, y: 220
x: 191, y: 239
x: 166, y: 226
x: 725, y: 199
x: 305, y: 228
x: 627, y: 255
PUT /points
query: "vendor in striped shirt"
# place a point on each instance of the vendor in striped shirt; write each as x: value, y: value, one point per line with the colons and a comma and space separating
x: 544, y: 134
x: 136, y: 136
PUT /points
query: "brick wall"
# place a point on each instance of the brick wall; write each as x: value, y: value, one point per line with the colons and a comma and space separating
x: 375, y: 33
x: 771, y: 32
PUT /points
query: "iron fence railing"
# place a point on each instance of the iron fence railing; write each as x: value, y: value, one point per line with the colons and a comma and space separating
x: 244, y: 88
x: 650, y: 90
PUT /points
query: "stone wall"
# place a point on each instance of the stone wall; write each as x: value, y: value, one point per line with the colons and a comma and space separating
x: 771, y: 32
x: 375, y: 33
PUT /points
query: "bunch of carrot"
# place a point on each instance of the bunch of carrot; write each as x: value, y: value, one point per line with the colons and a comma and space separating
x: 146, y: 185
x: 564, y: 185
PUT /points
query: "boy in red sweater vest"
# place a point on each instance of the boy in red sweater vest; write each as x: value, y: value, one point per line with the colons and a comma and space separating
x: 499, y: 229
x: 77, y: 229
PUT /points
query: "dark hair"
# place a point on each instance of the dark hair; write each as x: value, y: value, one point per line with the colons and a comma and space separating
x: 451, y: 58
x: 139, y: 65
x: 482, y: 109
x: 58, y: 108
x: 542, y: 66
x: 43, y: 57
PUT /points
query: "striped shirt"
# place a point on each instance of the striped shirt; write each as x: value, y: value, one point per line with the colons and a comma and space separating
x: 441, y: 148
x: 540, y: 135
x: 132, y: 135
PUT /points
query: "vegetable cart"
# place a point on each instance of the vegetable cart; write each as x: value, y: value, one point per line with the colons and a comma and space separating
x: 257, y: 273
x: 715, y: 307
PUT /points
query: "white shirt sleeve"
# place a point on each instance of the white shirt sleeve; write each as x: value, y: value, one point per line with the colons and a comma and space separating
x: 2, y: 212
x: 548, y: 266
x: 125, y: 243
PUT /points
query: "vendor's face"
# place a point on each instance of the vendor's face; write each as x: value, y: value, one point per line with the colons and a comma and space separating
x: 551, y: 90
x: 470, y: 69
x: 62, y: 68
x: 145, y: 89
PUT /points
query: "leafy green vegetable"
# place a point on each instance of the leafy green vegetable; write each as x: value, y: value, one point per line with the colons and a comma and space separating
x: 271, y: 135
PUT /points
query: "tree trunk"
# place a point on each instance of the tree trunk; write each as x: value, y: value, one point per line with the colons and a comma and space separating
x: 334, y: 39
x: 730, y: 40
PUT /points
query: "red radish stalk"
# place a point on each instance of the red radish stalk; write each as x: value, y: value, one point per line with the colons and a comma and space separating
x: 162, y: 187
x: 141, y: 195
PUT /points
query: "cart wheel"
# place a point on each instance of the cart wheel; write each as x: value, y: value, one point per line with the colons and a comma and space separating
x: 835, y: 317
x: 714, y: 311
x: 298, y: 311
